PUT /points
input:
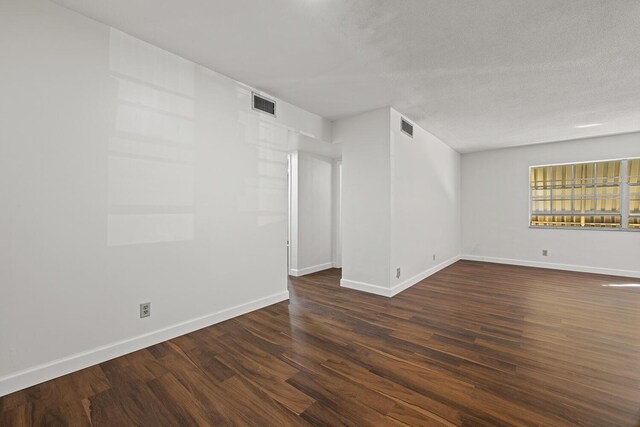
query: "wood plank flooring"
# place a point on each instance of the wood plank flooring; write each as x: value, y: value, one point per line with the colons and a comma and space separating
x: 476, y: 344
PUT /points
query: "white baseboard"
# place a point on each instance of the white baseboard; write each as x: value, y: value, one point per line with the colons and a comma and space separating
x: 421, y: 276
x: 48, y: 371
x: 366, y: 287
x: 555, y: 266
x: 389, y: 292
x: 308, y: 270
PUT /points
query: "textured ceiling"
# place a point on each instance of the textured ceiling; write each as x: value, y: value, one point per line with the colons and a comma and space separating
x: 479, y: 74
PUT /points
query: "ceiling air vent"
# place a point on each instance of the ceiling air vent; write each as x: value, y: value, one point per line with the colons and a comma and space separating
x: 406, y: 127
x: 263, y: 104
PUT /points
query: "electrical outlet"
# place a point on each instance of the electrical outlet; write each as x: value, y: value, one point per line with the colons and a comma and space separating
x: 545, y: 252
x: 434, y: 257
x: 398, y: 273
x: 145, y: 309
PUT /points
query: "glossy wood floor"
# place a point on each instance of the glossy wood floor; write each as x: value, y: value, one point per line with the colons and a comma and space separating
x: 475, y: 344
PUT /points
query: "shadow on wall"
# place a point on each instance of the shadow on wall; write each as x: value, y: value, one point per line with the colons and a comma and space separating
x: 266, y: 192
x: 153, y: 149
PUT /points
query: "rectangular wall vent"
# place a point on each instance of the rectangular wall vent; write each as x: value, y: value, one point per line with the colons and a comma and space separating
x: 263, y: 104
x: 406, y: 127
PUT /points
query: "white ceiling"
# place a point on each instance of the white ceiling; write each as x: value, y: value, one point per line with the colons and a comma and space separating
x: 479, y: 74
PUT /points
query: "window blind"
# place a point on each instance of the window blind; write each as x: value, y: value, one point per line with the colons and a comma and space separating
x: 586, y: 195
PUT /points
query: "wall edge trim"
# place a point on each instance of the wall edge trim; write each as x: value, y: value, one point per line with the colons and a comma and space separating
x: 75, y: 362
x: 390, y: 292
x: 421, y: 276
x: 554, y: 266
x: 308, y: 270
x: 365, y: 287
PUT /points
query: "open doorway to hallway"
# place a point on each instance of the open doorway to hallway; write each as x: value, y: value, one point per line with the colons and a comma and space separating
x: 314, y: 208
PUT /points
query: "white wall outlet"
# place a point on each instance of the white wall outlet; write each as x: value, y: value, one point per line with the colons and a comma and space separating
x: 434, y: 257
x: 545, y: 252
x: 145, y: 309
x: 398, y: 273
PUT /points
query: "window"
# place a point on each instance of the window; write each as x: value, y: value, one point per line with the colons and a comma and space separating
x: 602, y: 195
x: 634, y: 193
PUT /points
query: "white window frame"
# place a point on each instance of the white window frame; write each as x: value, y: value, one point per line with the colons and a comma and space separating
x: 625, y: 212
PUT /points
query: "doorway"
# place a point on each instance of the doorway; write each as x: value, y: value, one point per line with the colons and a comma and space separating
x: 314, y: 213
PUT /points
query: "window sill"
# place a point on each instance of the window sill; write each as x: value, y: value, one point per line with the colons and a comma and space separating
x: 542, y: 227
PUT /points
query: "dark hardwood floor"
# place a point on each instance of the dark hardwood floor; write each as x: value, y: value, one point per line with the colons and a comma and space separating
x: 475, y: 344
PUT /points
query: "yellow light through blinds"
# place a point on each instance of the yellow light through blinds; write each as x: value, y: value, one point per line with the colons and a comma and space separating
x: 633, y: 172
x: 577, y: 195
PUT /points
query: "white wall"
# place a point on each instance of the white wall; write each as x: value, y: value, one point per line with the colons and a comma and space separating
x: 495, y: 206
x: 337, y: 213
x: 365, y: 198
x: 425, y: 204
x: 312, y: 214
x: 128, y: 175
x: 401, y: 203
